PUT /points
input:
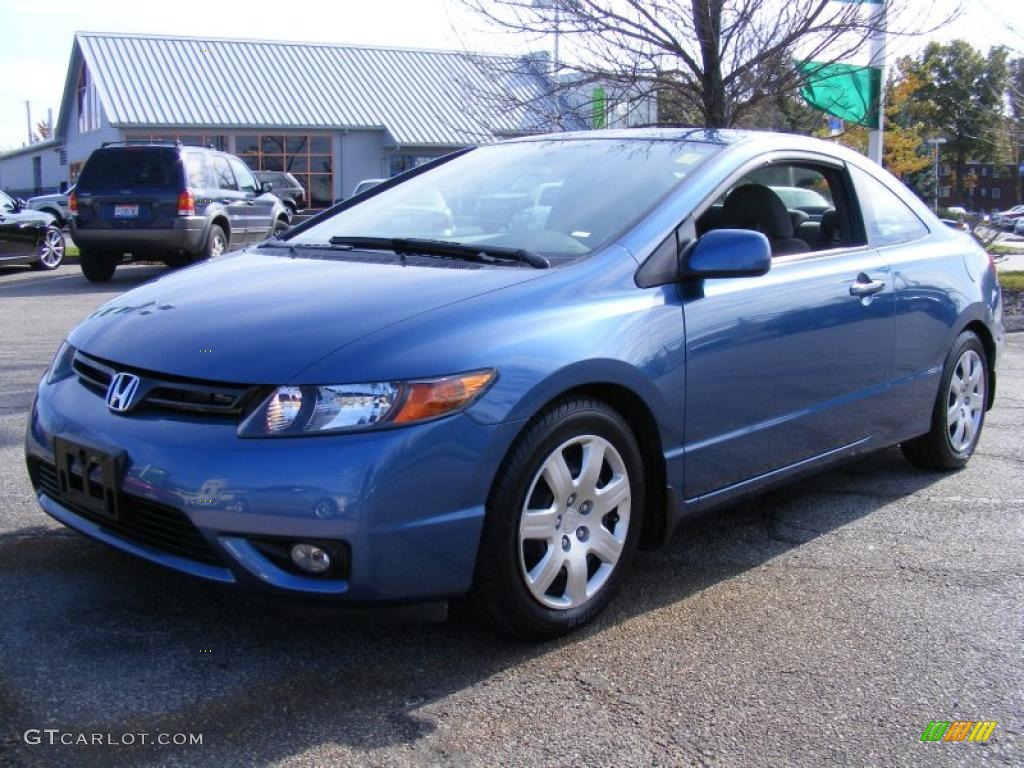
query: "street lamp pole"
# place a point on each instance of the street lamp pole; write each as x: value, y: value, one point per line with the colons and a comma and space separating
x: 937, y: 143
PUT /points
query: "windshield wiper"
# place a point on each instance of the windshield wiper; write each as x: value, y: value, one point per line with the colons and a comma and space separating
x: 486, y: 254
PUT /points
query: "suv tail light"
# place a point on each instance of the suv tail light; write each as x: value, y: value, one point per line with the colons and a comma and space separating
x: 73, y: 203
x: 186, y: 203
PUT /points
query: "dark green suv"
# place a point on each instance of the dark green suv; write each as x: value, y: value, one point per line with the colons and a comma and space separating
x: 168, y: 202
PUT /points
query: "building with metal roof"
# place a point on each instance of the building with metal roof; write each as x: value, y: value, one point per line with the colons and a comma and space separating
x: 331, y: 115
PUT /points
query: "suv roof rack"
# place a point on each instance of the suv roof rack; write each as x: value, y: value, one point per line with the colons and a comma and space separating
x: 161, y: 142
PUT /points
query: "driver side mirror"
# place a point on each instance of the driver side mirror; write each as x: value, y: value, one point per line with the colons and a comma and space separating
x: 727, y: 253
x: 20, y: 204
x: 266, y: 187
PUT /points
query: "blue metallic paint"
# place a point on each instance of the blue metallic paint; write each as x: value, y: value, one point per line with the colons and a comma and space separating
x: 749, y: 380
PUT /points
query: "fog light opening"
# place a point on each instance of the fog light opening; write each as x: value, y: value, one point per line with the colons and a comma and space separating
x: 311, y: 558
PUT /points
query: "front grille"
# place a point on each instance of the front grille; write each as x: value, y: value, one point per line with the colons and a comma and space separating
x: 165, y: 392
x: 140, y: 520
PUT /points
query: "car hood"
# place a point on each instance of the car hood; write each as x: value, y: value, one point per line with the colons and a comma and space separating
x: 259, y: 318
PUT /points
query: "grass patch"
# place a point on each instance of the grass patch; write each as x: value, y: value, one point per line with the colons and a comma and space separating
x: 1003, y: 250
x: 71, y: 250
x: 1013, y: 281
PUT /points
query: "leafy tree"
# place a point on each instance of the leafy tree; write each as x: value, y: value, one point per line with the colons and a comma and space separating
x: 962, y: 98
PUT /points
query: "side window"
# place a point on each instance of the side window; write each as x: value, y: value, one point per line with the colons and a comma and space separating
x: 887, y: 219
x: 222, y: 173
x: 246, y: 181
x: 197, y: 171
x: 801, y: 207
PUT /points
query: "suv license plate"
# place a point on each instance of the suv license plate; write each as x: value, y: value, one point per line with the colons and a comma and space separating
x: 88, y: 478
x: 126, y: 211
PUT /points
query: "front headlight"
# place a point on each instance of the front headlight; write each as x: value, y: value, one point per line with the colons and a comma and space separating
x: 60, y: 368
x: 316, y: 410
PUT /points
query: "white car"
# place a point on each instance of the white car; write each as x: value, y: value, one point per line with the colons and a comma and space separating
x: 55, y: 204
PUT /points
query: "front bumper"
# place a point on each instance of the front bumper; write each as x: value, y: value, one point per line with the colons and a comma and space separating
x: 187, y: 235
x: 408, y: 504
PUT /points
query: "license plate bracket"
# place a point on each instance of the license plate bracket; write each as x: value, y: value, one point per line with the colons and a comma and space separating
x: 88, y: 477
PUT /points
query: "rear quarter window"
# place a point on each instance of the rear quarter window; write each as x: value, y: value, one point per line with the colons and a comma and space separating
x: 887, y: 219
x: 131, y: 168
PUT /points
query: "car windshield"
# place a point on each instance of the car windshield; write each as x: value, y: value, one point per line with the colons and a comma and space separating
x: 558, y: 198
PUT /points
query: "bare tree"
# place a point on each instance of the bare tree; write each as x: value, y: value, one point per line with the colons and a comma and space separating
x: 711, y: 62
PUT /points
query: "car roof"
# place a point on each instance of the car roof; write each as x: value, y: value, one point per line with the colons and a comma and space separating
x: 751, y: 142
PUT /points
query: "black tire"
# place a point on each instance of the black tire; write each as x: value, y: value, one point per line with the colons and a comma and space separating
x: 935, y: 449
x: 216, y: 243
x: 280, y: 226
x: 97, y: 267
x: 51, y: 252
x: 500, y: 593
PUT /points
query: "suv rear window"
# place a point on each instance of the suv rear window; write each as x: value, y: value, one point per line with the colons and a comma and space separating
x: 131, y: 167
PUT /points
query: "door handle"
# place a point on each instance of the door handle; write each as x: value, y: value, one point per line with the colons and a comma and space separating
x: 865, y: 286
x: 25, y: 224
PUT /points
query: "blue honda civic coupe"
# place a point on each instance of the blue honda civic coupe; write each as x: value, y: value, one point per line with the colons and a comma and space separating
x: 501, y: 374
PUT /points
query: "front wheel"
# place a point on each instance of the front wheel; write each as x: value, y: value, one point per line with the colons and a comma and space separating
x: 959, y: 412
x: 563, y: 520
x: 51, y: 252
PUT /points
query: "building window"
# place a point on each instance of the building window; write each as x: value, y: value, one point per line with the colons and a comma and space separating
x: 401, y: 163
x: 984, y: 170
x: 984, y: 192
x: 997, y: 193
x: 309, y: 158
x: 88, y: 103
x: 217, y: 141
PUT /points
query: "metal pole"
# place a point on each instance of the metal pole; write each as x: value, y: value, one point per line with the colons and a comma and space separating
x: 557, y: 33
x: 875, y: 137
x: 28, y: 119
x: 936, y: 177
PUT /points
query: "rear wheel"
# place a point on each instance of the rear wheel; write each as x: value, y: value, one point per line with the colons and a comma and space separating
x: 51, y: 252
x: 97, y: 267
x: 280, y: 226
x: 563, y: 519
x: 959, y: 412
x: 216, y: 242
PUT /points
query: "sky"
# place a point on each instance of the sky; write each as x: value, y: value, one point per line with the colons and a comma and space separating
x: 38, y: 34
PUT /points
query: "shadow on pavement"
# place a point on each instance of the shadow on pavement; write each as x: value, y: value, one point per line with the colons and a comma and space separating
x: 26, y: 283
x: 97, y: 641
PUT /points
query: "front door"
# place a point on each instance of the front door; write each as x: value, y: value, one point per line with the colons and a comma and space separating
x: 796, y: 363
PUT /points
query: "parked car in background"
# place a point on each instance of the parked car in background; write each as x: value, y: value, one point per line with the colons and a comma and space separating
x: 366, y: 184
x: 1018, y: 227
x: 286, y: 187
x: 28, y: 236
x: 807, y: 200
x: 957, y: 210
x: 55, y: 204
x: 169, y: 202
x: 1008, y: 217
x: 402, y: 408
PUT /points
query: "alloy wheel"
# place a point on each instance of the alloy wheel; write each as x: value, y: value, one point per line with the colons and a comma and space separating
x: 217, y: 246
x: 965, y: 401
x: 574, y: 523
x: 51, y: 252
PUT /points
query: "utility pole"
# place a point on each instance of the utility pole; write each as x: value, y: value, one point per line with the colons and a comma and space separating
x: 878, y: 23
x: 937, y: 143
x: 28, y: 119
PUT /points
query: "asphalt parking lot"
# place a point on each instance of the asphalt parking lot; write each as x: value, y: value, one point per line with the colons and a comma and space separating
x: 825, y: 624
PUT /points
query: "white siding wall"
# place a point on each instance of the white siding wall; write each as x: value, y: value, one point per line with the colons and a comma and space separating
x: 17, y: 176
x: 80, y: 145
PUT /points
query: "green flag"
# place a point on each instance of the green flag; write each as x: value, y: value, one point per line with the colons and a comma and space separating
x: 847, y: 91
